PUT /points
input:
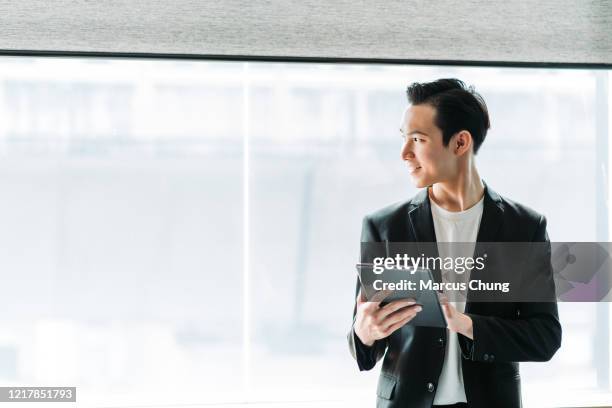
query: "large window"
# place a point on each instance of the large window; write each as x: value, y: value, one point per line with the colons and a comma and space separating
x: 181, y: 232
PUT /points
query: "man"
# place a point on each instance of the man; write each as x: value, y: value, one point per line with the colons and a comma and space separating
x: 474, y: 362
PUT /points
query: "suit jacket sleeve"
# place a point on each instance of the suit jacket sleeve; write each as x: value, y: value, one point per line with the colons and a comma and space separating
x: 535, y: 335
x: 366, y: 356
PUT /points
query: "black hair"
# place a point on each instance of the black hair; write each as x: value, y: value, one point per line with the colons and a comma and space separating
x: 457, y: 106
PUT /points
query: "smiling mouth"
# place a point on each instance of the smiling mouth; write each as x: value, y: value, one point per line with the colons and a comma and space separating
x: 413, y: 170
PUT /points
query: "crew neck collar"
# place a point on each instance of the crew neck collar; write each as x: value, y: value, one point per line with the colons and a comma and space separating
x: 473, y: 211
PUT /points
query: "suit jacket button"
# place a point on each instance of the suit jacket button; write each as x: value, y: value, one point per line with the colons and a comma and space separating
x: 430, y: 387
x: 485, y: 357
x: 440, y: 342
x: 491, y: 358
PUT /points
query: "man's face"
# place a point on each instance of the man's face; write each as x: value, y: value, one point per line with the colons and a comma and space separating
x: 428, y: 160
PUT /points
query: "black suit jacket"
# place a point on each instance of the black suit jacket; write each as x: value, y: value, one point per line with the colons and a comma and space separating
x: 504, y: 333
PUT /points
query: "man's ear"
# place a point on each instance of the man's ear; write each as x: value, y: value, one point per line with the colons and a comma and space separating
x: 463, y: 142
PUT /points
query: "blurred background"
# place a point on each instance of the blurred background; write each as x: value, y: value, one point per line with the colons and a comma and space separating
x: 177, y: 232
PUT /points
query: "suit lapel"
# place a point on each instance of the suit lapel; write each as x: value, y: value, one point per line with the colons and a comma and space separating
x: 491, y: 216
x: 421, y: 220
x: 490, y: 223
x: 422, y: 226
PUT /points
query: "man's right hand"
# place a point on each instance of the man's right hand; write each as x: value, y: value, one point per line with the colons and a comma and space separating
x: 373, y: 322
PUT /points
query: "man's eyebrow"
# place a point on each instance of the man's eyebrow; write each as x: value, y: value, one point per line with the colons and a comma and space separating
x: 402, y: 130
x: 414, y: 132
x: 417, y: 132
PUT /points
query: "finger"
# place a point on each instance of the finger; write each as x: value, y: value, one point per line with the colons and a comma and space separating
x: 402, y: 315
x: 445, y: 309
x: 393, y: 328
x: 448, y: 312
x: 379, y: 296
x: 397, y: 325
x: 360, y: 298
x: 395, y: 305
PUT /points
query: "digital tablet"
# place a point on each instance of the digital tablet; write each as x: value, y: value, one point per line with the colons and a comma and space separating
x: 404, y: 284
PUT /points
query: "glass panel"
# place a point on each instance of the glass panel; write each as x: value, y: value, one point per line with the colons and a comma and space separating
x: 122, y: 228
x: 130, y: 187
x: 327, y: 151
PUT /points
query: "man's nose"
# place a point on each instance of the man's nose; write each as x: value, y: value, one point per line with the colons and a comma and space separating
x: 407, y: 152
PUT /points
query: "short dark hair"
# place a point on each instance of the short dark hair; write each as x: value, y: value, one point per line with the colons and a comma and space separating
x: 457, y: 106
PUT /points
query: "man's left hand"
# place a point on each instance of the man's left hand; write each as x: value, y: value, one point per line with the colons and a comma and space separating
x: 456, y: 321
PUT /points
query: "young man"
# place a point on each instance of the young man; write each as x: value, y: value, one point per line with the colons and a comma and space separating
x: 474, y: 362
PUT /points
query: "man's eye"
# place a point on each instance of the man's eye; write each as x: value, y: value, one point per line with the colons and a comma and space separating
x: 416, y: 139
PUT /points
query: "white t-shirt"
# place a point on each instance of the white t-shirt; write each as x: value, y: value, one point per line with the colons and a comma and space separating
x: 450, y: 226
